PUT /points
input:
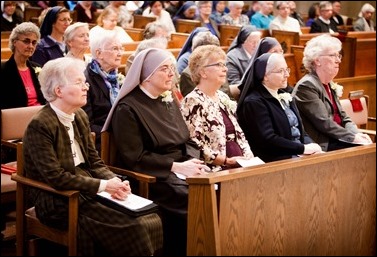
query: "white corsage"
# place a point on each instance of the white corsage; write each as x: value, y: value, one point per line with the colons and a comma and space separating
x: 337, y: 88
x: 120, y: 78
x: 230, y: 104
x: 286, y: 97
x: 37, y: 70
x: 167, y: 98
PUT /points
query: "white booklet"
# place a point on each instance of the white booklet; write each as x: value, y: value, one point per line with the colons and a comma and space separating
x: 250, y: 162
x: 132, y: 202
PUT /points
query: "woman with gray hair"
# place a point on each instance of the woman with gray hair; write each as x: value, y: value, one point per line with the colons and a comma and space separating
x: 58, y: 150
x: 152, y: 138
x: 104, y: 78
x: 365, y: 21
x: 318, y: 97
x: 21, y: 86
x: 76, y: 38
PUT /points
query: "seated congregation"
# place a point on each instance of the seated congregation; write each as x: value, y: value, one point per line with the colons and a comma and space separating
x: 173, y: 109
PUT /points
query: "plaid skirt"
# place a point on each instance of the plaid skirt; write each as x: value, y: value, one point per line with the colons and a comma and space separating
x: 103, y: 230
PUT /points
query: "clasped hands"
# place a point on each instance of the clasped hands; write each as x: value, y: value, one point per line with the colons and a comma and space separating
x: 118, y: 189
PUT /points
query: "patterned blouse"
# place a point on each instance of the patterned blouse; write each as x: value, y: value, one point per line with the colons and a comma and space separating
x: 206, y: 125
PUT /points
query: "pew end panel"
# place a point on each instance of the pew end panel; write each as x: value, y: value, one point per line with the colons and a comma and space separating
x: 322, y: 204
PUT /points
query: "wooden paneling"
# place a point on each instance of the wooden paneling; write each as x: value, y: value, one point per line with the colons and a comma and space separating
x: 186, y: 26
x: 324, y: 204
x: 286, y: 39
x: 141, y: 21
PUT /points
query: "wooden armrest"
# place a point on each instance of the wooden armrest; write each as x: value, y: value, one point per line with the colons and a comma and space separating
x: 8, y: 143
x: 43, y: 186
x: 133, y: 174
x: 368, y: 132
x: 372, y: 119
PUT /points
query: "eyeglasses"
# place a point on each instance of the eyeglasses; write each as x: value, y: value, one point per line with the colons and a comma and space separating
x: 65, y: 20
x: 282, y: 71
x: 115, y: 49
x: 218, y: 64
x: 167, y: 69
x: 339, y: 56
x: 81, y: 84
x: 28, y: 41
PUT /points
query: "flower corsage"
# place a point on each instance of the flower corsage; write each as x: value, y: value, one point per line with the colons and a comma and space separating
x: 167, y: 98
x: 337, y: 88
x: 286, y: 97
x: 230, y: 105
x: 37, y: 70
x: 120, y: 79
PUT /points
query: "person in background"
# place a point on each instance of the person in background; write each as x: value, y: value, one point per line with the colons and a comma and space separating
x: 134, y: 7
x: 185, y: 83
x: 104, y: 79
x: 152, y: 138
x: 183, y: 56
x: 172, y: 7
x: 324, y: 23
x: 218, y: 11
x: 253, y: 9
x: 9, y: 18
x: 107, y: 21
x: 20, y: 9
x: 283, y: 21
x: 235, y: 16
x: 265, y: 45
x: 52, y: 44
x: 313, y: 14
x: 155, y: 9
x: 336, y: 17
x: 296, y: 15
x: 365, y: 21
x: 263, y: 18
x: 85, y: 11
x: 76, y: 38
x: 156, y: 29
x: 240, y: 52
x: 318, y: 97
x: 58, y: 150
x: 187, y: 12
x: 210, y: 114
x: 22, y: 87
x: 100, y: 4
x: 205, y: 10
x: 269, y: 116
x: 125, y: 18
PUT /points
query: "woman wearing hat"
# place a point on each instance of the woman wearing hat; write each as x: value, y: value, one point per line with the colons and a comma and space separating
x: 269, y: 116
x: 152, y: 138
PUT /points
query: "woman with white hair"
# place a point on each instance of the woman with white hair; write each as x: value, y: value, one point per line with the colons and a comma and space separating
x: 365, y: 21
x: 104, y: 78
x: 152, y: 138
x: 235, y: 16
x: 76, y: 38
x: 58, y: 150
x: 318, y: 97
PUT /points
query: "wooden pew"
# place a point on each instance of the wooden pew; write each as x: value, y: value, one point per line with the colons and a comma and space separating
x: 290, y: 59
x: 227, y: 33
x: 365, y: 63
x: 6, y: 53
x: 32, y: 11
x: 130, y: 46
x: 135, y: 33
x: 367, y: 83
x: 305, y: 30
x: 5, y: 34
x: 362, y: 34
x: 186, y: 26
x: 177, y: 39
x: 286, y: 39
x: 5, y: 43
x: 141, y: 21
x: 324, y: 204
